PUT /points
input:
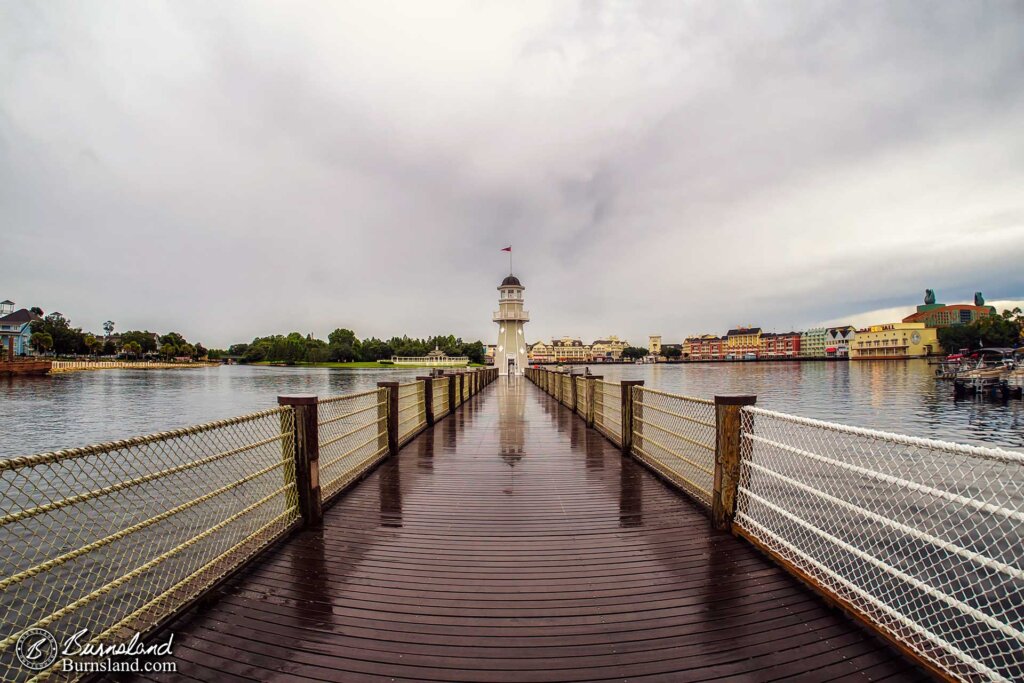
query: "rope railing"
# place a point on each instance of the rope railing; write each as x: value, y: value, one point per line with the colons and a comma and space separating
x: 921, y: 539
x: 675, y: 435
x: 581, y: 396
x: 924, y: 539
x: 352, y: 437
x: 412, y: 417
x: 115, y: 537
x: 608, y: 410
x: 440, y: 388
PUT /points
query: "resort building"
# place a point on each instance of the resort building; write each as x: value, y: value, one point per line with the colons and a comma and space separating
x: 781, y: 345
x: 654, y: 345
x: 570, y: 350
x: 539, y: 352
x: 742, y: 341
x: 704, y: 347
x: 837, y: 341
x: 895, y: 341
x: 608, y: 349
x: 813, y: 342
x: 15, y: 329
x: 941, y: 315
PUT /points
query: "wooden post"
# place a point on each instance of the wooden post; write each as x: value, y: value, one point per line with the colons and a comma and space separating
x: 392, y: 388
x: 591, y: 393
x: 572, y: 392
x: 428, y: 398
x: 627, y: 412
x: 451, y: 393
x: 728, y: 427
x: 306, y: 470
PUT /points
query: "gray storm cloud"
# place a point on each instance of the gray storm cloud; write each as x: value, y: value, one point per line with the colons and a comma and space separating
x: 233, y: 169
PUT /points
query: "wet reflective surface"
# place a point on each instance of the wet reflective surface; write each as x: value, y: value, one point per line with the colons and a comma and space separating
x: 511, y: 543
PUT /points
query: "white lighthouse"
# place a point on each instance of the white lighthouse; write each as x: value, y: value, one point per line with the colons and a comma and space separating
x: 510, y: 356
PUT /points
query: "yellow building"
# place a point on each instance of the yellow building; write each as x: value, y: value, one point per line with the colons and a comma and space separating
x: 654, y: 344
x: 895, y: 341
x: 743, y: 340
x: 608, y: 349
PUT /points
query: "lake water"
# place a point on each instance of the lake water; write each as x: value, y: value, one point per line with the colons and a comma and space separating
x: 79, y: 408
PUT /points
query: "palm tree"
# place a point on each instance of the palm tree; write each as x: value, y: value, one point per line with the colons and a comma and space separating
x: 42, y: 342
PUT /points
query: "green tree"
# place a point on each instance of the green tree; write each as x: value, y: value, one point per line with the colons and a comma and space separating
x: 66, y: 339
x: 145, y: 340
x: 671, y: 352
x: 108, y: 327
x: 168, y: 351
x: 93, y: 344
x: 201, y: 351
x: 42, y: 342
x: 132, y: 349
x: 634, y: 352
x: 237, y: 349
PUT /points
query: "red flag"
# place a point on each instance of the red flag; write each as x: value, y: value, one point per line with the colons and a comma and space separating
x: 509, y: 248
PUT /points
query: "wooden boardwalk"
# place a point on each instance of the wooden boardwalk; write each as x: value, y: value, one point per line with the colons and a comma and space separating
x: 510, y: 543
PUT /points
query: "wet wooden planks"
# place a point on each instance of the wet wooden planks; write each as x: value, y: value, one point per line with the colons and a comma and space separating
x: 510, y: 543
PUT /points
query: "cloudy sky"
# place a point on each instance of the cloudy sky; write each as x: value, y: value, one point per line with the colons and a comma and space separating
x: 232, y: 169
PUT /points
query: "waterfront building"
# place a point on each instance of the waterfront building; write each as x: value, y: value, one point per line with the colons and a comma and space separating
x: 654, y: 345
x: 779, y: 345
x: 705, y: 347
x: 539, y: 352
x: 510, y: 317
x: 15, y: 329
x: 895, y: 341
x: 570, y: 350
x: 934, y: 314
x: 491, y: 350
x: 813, y: 342
x: 742, y: 341
x: 608, y: 349
x: 838, y: 340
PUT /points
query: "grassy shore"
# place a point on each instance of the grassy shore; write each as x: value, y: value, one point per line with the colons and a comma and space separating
x: 373, y: 365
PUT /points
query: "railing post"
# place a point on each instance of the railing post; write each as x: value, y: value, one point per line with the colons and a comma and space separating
x: 627, y: 412
x: 392, y: 388
x: 451, y: 393
x: 728, y: 426
x: 573, y: 392
x: 428, y: 399
x: 591, y: 392
x: 306, y: 456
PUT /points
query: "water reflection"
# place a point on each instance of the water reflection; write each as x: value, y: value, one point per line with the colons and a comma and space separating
x: 512, y: 427
x: 631, y: 494
x: 390, y: 484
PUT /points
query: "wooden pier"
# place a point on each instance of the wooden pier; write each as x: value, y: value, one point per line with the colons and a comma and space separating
x: 511, y: 543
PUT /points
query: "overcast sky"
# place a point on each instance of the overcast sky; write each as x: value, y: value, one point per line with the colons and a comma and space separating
x: 233, y: 169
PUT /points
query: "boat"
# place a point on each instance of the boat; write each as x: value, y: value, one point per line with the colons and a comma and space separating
x: 989, y: 373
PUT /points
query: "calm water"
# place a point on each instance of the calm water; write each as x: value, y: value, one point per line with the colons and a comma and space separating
x: 74, y: 409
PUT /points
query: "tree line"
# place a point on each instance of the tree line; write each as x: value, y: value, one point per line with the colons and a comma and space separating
x: 1004, y: 330
x: 55, y: 334
x: 343, y: 346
